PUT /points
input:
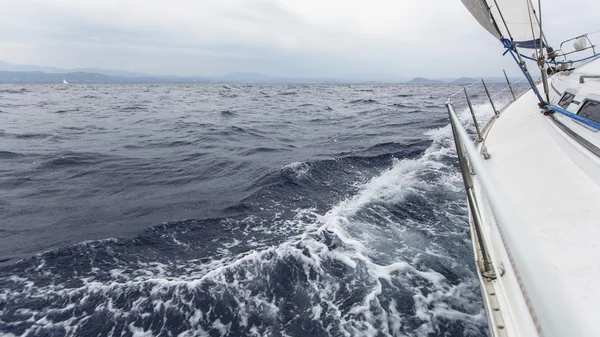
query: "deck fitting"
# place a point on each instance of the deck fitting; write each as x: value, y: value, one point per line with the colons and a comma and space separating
x: 490, y: 275
x: 484, y: 152
x: 501, y: 270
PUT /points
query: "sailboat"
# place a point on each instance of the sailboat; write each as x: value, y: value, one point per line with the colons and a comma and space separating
x: 532, y: 180
x: 65, y: 82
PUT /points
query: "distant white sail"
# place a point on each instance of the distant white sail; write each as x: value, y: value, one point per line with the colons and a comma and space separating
x: 514, y: 19
x: 65, y: 82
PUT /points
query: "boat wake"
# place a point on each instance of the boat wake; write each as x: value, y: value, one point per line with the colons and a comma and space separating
x: 394, y: 259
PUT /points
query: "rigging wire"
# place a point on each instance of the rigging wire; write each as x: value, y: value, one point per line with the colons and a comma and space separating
x: 541, y: 57
x: 510, y: 46
x: 529, y: 10
x: 560, y: 62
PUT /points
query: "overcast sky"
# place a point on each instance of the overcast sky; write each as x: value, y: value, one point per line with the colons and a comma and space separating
x: 324, y: 38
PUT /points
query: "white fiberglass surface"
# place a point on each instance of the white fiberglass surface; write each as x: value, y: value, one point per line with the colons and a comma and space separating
x: 589, y: 90
x: 556, y: 199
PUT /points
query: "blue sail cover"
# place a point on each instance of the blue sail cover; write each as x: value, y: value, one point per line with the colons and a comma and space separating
x: 511, y: 19
x: 531, y: 44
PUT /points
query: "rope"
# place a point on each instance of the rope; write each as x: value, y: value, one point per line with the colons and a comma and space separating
x: 560, y: 62
x: 581, y: 119
x: 511, y: 47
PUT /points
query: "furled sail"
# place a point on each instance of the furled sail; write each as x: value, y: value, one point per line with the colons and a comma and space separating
x: 511, y: 19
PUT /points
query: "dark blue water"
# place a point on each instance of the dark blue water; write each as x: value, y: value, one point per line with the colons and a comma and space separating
x: 233, y: 210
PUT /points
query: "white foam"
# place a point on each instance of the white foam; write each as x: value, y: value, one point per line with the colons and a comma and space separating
x: 139, y: 332
x: 359, y: 245
x: 232, y: 244
x: 222, y: 328
x: 298, y: 168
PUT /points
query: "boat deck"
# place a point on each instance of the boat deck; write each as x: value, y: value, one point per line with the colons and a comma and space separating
x: 544, y: 174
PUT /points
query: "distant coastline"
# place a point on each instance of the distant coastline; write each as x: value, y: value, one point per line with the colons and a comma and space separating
x: 21, y: 74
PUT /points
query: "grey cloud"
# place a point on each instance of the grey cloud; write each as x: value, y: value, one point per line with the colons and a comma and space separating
x: 271, y: 36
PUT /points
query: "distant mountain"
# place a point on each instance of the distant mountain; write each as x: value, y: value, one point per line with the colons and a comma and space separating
x: 424, y: 80
x: 111, y: 72
x: 469, y: 80
x: 465, y: 80
x: 11, y: 73
x: 501, y: 79
x: 244, y: 77
x: 381, y: 77
x: 85, y: 77
x: 120, y: 76
x: 5, y: 66
x: 248, y: 77
x: 91, y: 77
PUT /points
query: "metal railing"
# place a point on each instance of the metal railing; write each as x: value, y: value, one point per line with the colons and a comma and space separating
x: 467, y: 173
x: 532, y: 294
x: 490, y: 99
x: 509, y: 86
x: 583, y: 77
x: 574, y: 51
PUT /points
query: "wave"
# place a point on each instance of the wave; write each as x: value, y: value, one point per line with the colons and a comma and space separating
x: 228, y: 113
x: 175, y: 143
x: 262, y: 150
x: 361, y: 230
x: 339, y: 273
x: 65, y: 111
x: 31, y: 135
x: 13, y: 91
x: 364, y: 101
x: 73, y: 128
x: 408, y: 150
x: 10, y: 155
x: 238, y: 130
x: 297, y: 169
x: 133, y: 108
x: 71, y: 159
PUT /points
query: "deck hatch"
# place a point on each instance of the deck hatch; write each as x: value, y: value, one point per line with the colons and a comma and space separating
x: 590, y: 109
x: 566, y: 99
